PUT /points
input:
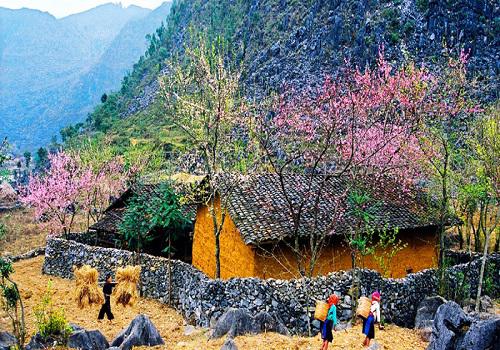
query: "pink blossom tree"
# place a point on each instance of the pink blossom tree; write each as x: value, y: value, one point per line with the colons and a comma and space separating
x: 363, y: 124
x: 56, y: 195
x: 107, y: 181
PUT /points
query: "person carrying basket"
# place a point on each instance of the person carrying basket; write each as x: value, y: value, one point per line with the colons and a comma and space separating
x: 330, y: 322
x: 373, y: 317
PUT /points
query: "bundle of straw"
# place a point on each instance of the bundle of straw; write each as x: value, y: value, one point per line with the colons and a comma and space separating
x: 87, y: 291
x: 125, y: 292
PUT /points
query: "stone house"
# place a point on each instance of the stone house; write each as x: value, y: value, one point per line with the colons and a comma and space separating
x: 255, y: 239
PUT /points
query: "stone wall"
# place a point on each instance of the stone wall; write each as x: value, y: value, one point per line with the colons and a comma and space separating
x: 201, y: 299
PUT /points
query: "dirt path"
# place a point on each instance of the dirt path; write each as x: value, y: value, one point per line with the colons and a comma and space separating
x: 171, y: 325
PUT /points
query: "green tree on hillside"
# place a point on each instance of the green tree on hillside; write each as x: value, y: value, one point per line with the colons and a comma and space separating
x: 202, y: 98
x: 11, y: 301
x: 41, y: 159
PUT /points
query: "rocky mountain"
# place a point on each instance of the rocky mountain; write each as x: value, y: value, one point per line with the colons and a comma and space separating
x: 300, y: 42
x: 53, y: 71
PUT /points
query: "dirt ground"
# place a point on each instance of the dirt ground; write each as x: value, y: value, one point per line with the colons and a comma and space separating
x: 171, y: 325
x: 23, y: 234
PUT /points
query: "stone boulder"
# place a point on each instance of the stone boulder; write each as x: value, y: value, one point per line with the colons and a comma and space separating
x: 450, y: 325
x: 229, y: 344
x: 485, y: 306
x: 7, y: 341
x: 426, y: 311
x: 233, y: 322
x: 140, y: 332
x: 236, y: 322
x: 37, y: 342
x: 482, y: 335
x: 265, y: 322
x: 88, y: 340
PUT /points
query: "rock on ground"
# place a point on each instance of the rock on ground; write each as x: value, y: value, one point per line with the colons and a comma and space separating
x: 485, y: 305
x: 7, y: 341
x: 233, y: 322
x: 37, y: 342
x: 236, y: 322
x: 229, y: 344
x: 265, y: 322
x: 450, y: 325
x: 141, y: 331
x: 455, y: 330
x: 426, y: 311
x: 88, y: 340
x: 482, y: 335
x: 374, y: 346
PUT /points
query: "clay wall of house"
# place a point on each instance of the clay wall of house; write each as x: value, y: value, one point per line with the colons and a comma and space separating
x: 236, y: 258
x: 420, y: 253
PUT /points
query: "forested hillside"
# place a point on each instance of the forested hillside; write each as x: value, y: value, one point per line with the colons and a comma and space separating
x: 53, y: 71
x: 299, y: 43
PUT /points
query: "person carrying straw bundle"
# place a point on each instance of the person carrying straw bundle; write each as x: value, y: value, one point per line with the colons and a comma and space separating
x: 126, y: 288
x: 87, y: 290
x: 106, y: 307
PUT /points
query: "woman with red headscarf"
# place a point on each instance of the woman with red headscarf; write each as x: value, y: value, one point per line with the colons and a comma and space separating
x: 330, y: 321
x: 373, y: 316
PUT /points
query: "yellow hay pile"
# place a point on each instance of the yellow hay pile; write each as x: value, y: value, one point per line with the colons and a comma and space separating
x: 87, y: 291
x: 125, y: 292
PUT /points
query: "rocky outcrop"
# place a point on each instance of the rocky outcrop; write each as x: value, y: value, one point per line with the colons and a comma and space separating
x: 453, y: 329
x: 450, y: 325
x: 229, y: 344
x: 482, y: 335
x: 301, y: 44
x: 140, y: 332
x: 236, y: 322
x: 7, y: 341
x: 426, y: 311
x: 87, y: 340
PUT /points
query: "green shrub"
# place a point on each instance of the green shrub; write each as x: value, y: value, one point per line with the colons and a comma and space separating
x: 423, y: 5
x: 3, y: 231
x: 394, y: 37
x: 409, y: 27
x: 50, y: 321
x: 489, y: 281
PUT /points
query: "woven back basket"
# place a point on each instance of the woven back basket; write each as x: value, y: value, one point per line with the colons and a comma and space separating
x: 321, y: 310
x: 364, y: 305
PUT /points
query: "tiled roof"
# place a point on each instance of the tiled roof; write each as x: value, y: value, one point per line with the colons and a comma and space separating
x: 261, y: 212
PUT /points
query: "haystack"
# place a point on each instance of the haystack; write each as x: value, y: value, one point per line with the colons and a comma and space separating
x: 87, y: 291
x: 125, y: 292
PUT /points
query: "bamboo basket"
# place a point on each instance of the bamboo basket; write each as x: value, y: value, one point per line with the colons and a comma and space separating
x: 321, y: 310
x: 364, y: 305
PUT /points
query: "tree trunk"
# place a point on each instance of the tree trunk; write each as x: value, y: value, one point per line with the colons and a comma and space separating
x: 460, y: 239
x: 481, y: 273
x: 169, y: 271
x: 497, y: 241
x: 217, y: 255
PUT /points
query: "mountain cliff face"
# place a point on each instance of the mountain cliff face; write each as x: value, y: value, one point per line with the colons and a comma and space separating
x: 53, y: 71
x: 300, y: 42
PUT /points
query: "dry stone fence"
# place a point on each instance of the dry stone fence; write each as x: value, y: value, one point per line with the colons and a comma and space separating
x: 201, y: 300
